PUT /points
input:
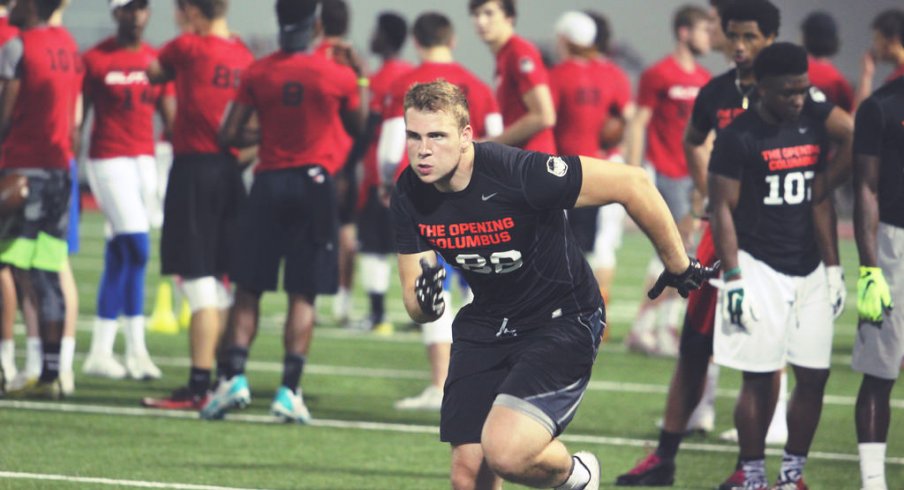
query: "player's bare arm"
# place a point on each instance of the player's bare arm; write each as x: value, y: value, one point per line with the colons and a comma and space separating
x: 637, y: 128
x: 697, y: 148
x: 159, y: 73
x: 840, y: 128
x: 824, y: 220
x: 641, y: 200
x: 866, y: 207
x: 409, y: 271
x: 7, y: 104
x: 541, y: 114
x: 723, y: 198
x: 236, y: 131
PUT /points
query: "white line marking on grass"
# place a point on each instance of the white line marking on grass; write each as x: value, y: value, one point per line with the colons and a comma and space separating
x: 109, y: 481
x: 392, y: 427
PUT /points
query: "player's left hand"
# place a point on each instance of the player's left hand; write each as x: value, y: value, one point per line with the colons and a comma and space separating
x: 428, y: 288
x: 837, y: 291
x: 692, y: 278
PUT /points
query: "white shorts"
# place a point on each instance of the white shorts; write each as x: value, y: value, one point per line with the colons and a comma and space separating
x: 610, y: 226
x: 878, y: 351
x: 123, y: 188
x: 794, y: 321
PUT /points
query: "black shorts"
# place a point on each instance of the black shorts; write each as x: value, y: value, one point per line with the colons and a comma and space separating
x: 542, y: 373
x: 34, y: 237
x: 583, y: 226
x: 374, y: 227
x: 289, y: 215
x: 347, y: 193
x: 203, y: 196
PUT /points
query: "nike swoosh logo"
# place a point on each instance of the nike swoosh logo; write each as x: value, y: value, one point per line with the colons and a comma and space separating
x: 803, y: 130
x: 488, y: 197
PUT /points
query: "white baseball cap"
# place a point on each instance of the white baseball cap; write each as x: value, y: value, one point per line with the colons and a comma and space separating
x: 577, y: 28
x: 115, y: 4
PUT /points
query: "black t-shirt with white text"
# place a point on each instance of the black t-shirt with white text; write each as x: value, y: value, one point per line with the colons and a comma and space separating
x: 879, y: 131
x: 508, y: 233
x: 776, y: 165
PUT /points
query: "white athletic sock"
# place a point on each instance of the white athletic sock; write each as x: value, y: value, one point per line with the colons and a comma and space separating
x: 133, y: 332
x: 341, y: 303
x: 579, y: 477
x: 779, y: 423
x: 104, y: 337
x: 872, y: 465
x: 34, y: 357
x: 67, y: 353
x: 8, y: 356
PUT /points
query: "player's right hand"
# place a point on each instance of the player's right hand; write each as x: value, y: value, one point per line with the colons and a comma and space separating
x: 873, y: 295
x: 428, y: 288
x: 737, y: 307
x: 692, y: 278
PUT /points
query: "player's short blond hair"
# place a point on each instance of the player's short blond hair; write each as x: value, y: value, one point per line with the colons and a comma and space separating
x: 439, y: 96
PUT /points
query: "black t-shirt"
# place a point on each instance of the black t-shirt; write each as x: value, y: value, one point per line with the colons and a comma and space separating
x: 776, y: 165
x: 508, y: 233
x: 880, y: 132
x: 721, y: 100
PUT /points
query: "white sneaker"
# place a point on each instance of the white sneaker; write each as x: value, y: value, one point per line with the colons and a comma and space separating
x: 140, y: 366
x: 773, y: 438
x: 289, y: 407
x: 103, y: 366
x: 67, y: 383
x: 20, y: 381
x: 429, y: 399
x: 593, y: 464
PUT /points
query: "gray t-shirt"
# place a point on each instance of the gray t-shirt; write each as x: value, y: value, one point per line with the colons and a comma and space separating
x: 10, y: 58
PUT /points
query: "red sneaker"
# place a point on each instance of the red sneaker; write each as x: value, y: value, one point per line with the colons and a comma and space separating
x: 734, y: 482
x: 651, y: 471
x: 179, y: 399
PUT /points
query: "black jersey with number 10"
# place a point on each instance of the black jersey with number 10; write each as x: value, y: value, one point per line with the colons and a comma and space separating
x: 508, y: 233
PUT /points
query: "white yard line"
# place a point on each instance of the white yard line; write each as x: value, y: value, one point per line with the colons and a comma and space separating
x: 16, y: 475
x: 390, y: 427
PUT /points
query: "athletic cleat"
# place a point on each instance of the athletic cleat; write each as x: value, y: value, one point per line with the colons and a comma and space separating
x: 142, y: 367
x: 39, y: 390
x: 289, y: 407
x: 179, y: 399
x: 229, y: 394
x: 103, y: 366
x: 651, y: 471
x: 429, y: 399
x: 593, y: 464
x: 790, y: 485
x: 383, y: 328
x: 67, y: 383
x: 21, y: 380
x: 735, y: 481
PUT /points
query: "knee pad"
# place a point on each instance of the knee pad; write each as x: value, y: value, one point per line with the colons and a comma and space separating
x: 201, y: 293
x: 375, y: 272
x: 49, y: 292
x: 440, y: 331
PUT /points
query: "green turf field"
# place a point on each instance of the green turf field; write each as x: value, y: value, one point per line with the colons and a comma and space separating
x: 100, y: 438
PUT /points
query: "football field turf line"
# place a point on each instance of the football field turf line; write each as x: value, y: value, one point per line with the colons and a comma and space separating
x: 14, y: 475
x: 392, y: 427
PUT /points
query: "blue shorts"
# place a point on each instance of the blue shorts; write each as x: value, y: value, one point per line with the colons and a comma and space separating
x: 74, y: 215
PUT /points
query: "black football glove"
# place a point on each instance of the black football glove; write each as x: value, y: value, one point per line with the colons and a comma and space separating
x: 692, y: 278
x: 429, y: 289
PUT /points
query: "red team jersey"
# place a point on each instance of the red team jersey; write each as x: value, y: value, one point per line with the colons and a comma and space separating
x: 519, y: 69
x: 208, y: 70
x: 380, y: 89
x: 586, y: 94
x: 7, y: 31
x: 44, y: 114
x: 298, y: 99
x: 825, y: 77
x: 480, y: 98
x: 124, y: 101
x: 669, y: 92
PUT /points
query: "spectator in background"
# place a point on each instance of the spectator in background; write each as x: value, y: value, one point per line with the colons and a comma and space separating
x: 888, y: 47
x: 820, y: 38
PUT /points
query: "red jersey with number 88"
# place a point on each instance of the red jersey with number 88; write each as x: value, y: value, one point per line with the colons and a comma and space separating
x: 208, y: 70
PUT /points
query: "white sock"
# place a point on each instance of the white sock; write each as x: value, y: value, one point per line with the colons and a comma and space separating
x: 8, y: 356
x: 579, y: 477
x: 34, y: 357
x: 67, y: 353
x: 341, y: 303
x: 133, y: 332
x: 872, y: 465
x: 755, y: 472
x: 779, y: 423
x: 104, y: 337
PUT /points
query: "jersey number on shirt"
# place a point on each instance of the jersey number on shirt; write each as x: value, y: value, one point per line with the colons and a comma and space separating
x: 128, y: 99
x: 292, y: 94
x: 225, y: 77
x: 796, y: 188
x: 499, y: 263
x: 62, y: 60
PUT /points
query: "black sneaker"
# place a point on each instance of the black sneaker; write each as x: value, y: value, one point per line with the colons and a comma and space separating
x: 651, y: 471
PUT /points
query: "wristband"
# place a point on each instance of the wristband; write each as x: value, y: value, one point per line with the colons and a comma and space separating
x: 731, y: 273
x: 363, y: 82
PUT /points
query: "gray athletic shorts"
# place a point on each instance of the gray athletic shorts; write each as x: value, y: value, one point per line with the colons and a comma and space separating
x: 677, y: 194
x: 878, y: 351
